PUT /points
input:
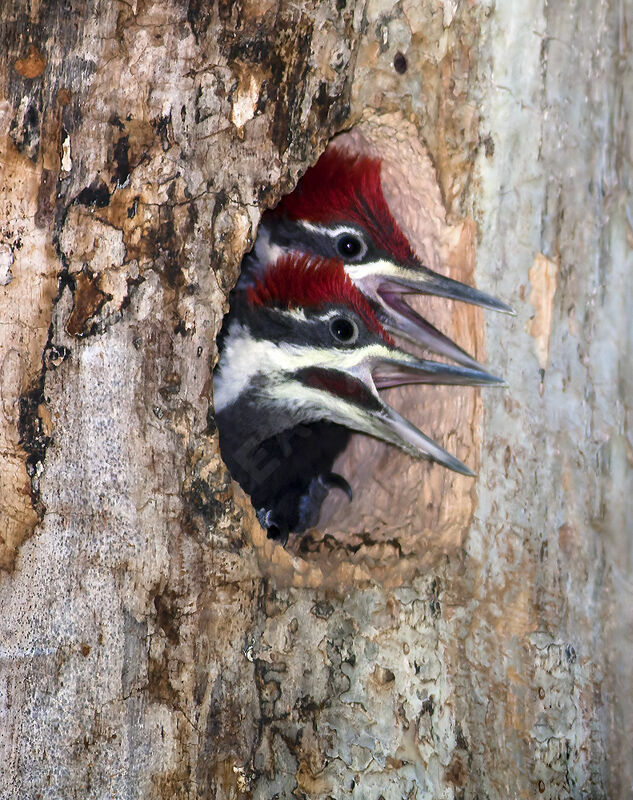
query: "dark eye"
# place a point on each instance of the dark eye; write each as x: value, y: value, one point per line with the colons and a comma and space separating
x: 350, y: 246
x: 344, y: 330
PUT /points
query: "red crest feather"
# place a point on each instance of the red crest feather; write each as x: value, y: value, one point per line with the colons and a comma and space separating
x: 308, y: 282
x: 346, y: 188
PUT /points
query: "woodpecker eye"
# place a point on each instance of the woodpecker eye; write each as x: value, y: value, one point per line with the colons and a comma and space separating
x: 350, y: 247
x: 344, y: 330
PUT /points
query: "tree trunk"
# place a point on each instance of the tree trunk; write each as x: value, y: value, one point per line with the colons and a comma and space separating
x: 439, y: 638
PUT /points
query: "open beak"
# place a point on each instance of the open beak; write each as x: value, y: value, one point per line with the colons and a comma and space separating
x: 395, y: 372
x: 387, y: 284
x: 388, y: 425
x: 420, y: 280
x: 349, y: 396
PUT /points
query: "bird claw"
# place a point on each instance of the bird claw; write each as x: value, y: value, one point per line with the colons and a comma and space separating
x: 277, y: 533
x: 335, y: 481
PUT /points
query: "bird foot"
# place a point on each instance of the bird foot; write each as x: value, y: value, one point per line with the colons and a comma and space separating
x: 274, y: 531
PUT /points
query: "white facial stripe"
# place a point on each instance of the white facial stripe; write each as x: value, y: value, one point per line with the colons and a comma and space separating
x: 383, y: 268
x: 293, y: 313
x: 324, y: 316
x: 329, y: 230
x: 249, y: 357
x: 322, y: 404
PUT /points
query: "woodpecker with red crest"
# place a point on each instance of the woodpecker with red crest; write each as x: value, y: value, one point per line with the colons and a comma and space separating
x: 338, y: 211
x: 303, y: 354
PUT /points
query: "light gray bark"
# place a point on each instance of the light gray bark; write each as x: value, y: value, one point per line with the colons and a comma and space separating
x: 152, y: 642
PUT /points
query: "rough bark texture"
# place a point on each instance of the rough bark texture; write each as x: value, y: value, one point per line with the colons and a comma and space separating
x: 152, y: 642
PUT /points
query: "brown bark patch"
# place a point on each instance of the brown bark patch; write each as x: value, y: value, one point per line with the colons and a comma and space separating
x: 32, y: 65
x: 457, y: 772
x: 88, y: 300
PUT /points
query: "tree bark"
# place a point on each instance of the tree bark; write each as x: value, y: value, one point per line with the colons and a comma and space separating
x: 439, y: 638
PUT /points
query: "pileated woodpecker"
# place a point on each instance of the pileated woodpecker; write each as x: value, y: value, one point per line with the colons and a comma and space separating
x: 338, y: 211
x: 303, y: 354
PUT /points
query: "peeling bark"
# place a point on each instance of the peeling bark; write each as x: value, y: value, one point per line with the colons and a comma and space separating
x: 453, y: 640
